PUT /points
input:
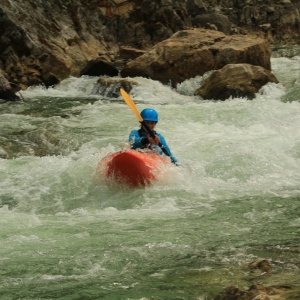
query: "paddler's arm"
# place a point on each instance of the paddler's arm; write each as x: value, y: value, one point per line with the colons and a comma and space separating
x: 136, y: 141
x: 166, y: 147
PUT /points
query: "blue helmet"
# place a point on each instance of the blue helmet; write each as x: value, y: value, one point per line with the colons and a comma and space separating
x: 149, y: 114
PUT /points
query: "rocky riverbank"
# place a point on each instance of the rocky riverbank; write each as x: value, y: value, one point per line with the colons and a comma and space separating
x: 45, y: 42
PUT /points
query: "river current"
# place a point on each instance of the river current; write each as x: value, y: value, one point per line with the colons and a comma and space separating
x: 67, y: 234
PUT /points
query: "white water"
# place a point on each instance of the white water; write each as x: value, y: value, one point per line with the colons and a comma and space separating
x: 66, y: 234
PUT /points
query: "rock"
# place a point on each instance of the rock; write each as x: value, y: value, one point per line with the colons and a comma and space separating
x: 197, y: 7
x: 193, y: 52
x: 263, y: 265
x: 110, y: 87
x: 220, y: 22
x: 6, y: 92
x: 231, y: 293
x: 283, y: 17
x: 65, y: 38
x: 130, y: 53
x: 257, y: 291
x: 57, y: 41
x: 235, y: 80
x: 98, y: 67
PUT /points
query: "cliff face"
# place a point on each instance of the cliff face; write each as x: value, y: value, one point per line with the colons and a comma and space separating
x: 278, y: 19
x: 45, y: 41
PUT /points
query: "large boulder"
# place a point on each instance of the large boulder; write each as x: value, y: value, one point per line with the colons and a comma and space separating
x: 235, y: 80
x: 193, y: 52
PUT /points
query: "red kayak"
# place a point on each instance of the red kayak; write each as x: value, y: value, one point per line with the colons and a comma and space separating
x: 131, y: 167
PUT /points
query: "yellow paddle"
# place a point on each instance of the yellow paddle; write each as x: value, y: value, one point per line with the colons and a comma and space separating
x: 131, y: 104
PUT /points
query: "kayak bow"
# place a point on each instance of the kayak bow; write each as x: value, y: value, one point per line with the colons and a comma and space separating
x: 131, y: 167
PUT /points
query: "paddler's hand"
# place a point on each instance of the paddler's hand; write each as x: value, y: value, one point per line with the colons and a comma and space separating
x: 155, y: 140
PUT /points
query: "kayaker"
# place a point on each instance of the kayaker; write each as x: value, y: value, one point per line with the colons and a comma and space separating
x: 142, y: 139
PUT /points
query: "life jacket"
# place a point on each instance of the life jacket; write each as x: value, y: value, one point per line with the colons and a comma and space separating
x: 145, y: 134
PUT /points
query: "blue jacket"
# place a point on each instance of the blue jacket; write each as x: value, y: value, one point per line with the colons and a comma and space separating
x: 139, y: 139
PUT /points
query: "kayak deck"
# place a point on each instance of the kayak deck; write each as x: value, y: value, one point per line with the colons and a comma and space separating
x: 131, y: 167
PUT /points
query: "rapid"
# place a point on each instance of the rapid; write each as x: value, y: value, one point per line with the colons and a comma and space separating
x: 68, y: 234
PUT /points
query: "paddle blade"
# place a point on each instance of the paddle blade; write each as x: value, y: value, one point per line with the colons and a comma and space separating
x: 131, y: 104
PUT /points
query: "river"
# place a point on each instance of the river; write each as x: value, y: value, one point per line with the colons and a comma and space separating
x: 67, y: 234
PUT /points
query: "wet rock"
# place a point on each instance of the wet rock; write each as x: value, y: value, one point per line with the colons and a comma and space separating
x: 193, y: 52
x: 255, y: 292
x: 110, y: 87
x: 231, y: 293
x: 6, y: 91
x: 236, y: 80
x: 262, y: 264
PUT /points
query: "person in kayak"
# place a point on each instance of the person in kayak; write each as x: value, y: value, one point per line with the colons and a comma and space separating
x: 142, y: 139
